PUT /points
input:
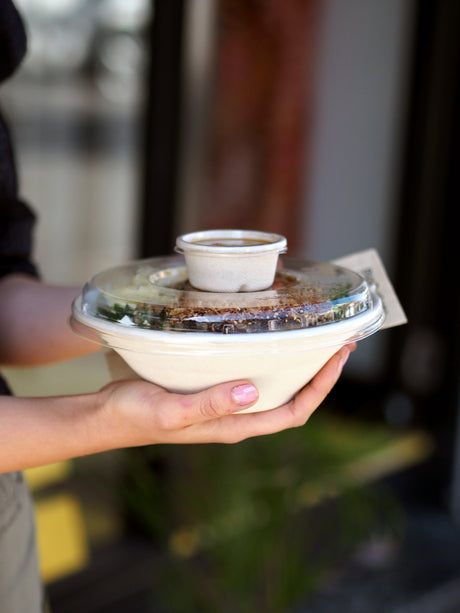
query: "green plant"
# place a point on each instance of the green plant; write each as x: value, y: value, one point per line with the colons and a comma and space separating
x: 256, y: 526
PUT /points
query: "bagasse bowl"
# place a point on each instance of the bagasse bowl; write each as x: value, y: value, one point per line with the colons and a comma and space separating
x: 278, y: 363
x: 187, y: 340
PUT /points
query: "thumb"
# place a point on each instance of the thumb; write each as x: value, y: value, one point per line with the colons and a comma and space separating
x: 218, y: 401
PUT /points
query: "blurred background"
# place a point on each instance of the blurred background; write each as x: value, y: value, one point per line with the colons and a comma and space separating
x: 332, y: 123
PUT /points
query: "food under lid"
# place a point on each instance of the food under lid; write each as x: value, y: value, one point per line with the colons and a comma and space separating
x: 156, y: 294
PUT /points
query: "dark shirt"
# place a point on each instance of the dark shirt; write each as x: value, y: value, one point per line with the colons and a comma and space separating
x: 20, y: 588
x: 16, y: 219
x: 13, y: 43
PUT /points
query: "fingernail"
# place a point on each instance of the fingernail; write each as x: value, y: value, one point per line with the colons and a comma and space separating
x: 244, y: 394
x: 343, y: 360
x: 351, y: 347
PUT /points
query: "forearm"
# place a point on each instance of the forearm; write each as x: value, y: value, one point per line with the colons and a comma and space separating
x: 34, y: 325
x: 37, y: 431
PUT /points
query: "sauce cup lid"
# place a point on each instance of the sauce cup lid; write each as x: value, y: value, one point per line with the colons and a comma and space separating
x: 230, y: 243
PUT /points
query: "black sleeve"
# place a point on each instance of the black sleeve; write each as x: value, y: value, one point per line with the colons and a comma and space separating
x: 16, y: 225
x: 13, y: 41
x: 16, y: 219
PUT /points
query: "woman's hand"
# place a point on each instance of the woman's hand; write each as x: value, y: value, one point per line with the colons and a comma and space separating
x: 148, y: 414
x: 37, y: 431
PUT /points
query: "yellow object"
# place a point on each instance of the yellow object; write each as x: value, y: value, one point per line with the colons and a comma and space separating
x: 42, y: 476
x: 61, y: 535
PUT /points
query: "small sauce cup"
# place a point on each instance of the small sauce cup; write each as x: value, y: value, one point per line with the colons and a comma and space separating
x: 231, y: 260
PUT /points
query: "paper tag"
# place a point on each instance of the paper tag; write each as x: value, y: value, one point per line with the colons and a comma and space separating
x: 368, y: 264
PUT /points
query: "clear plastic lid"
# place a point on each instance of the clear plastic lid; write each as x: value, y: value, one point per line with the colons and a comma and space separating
x: 155, y: 294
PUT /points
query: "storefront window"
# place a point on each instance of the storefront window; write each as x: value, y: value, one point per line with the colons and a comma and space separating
x: 74, y: 108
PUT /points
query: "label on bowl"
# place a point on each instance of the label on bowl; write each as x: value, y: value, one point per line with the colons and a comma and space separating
x: 368, y: 264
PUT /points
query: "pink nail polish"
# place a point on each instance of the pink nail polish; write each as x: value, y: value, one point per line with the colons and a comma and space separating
x: 244, y: 394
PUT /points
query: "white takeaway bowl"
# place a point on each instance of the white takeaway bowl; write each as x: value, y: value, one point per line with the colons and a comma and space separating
x: 278, y: 363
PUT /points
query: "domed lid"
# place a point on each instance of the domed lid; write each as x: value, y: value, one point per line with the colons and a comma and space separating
x: 156, y: 294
